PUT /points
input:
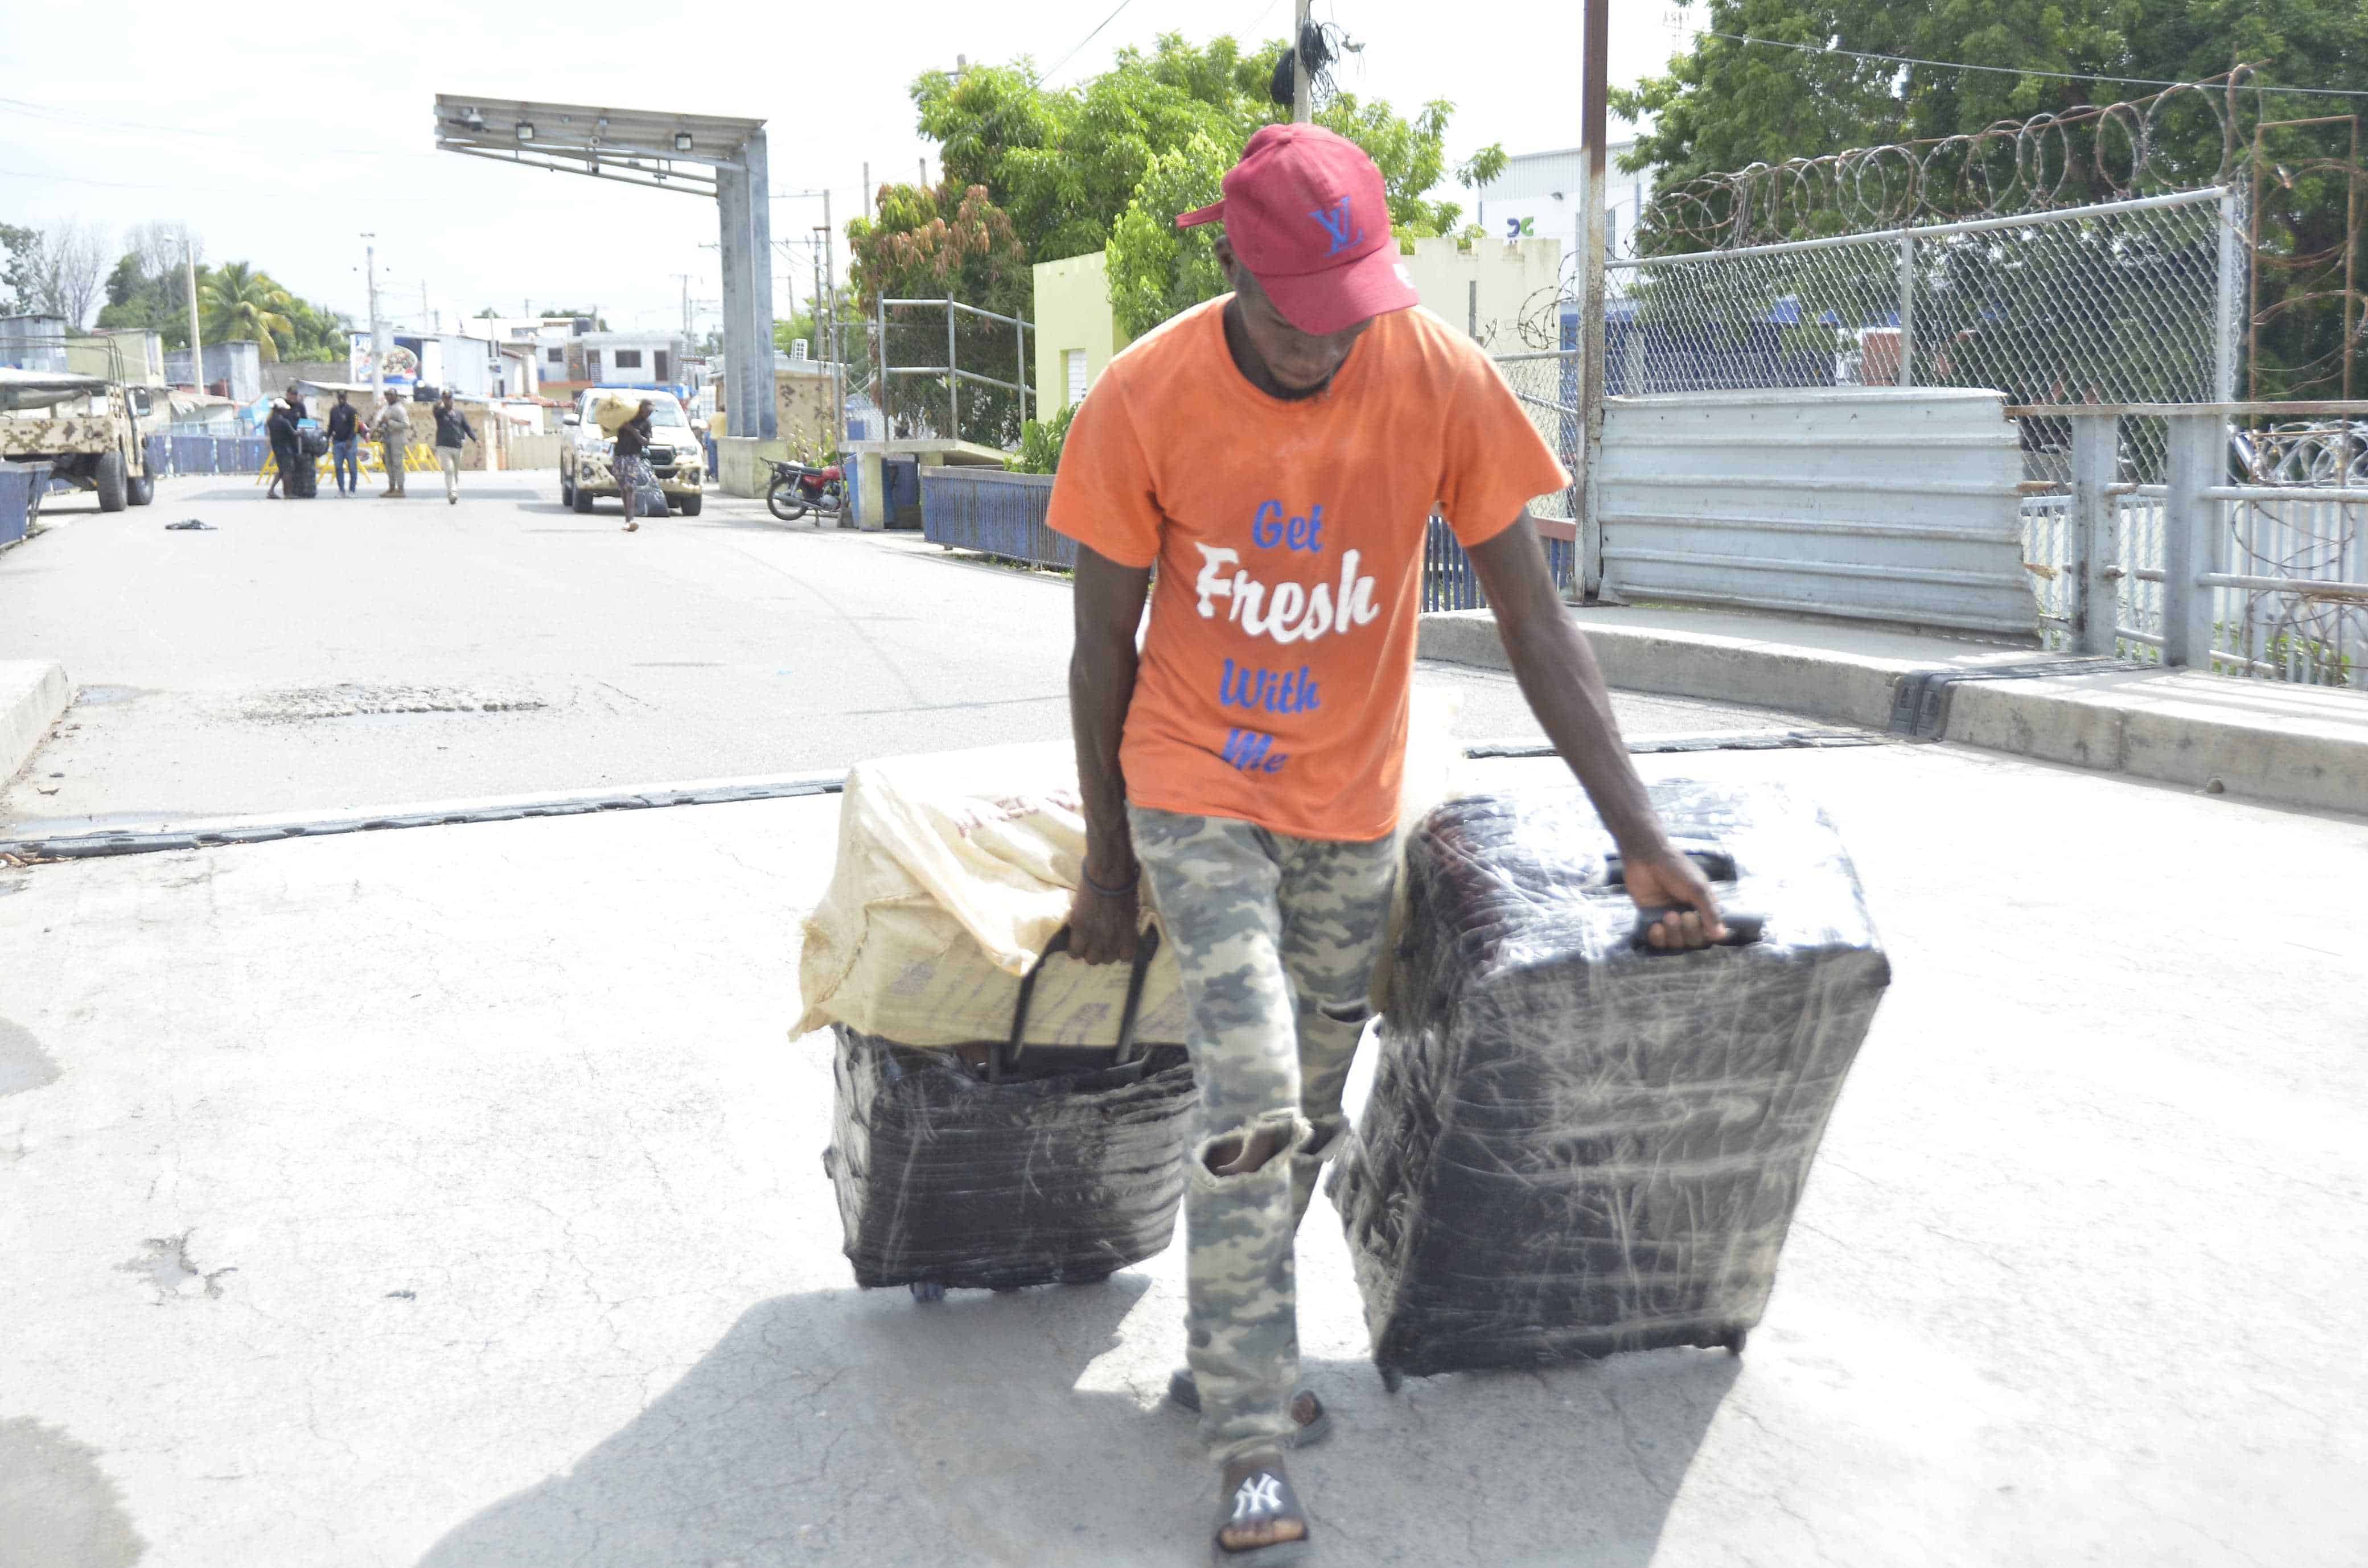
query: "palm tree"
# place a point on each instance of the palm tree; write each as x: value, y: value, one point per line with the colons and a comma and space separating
x: 238, y: 303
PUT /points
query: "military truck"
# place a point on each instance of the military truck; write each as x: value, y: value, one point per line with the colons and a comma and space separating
x: 86, y: 429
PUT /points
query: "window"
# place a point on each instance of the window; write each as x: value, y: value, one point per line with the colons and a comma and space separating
x: 628, y: 358
x: 660, y: 354
x: 1072, y: 364
x: 555, y: 356
x: 592, y: 363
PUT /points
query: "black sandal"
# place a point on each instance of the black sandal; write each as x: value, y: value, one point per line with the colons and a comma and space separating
x: 1261, y: 1494
x: 1184, y: 1395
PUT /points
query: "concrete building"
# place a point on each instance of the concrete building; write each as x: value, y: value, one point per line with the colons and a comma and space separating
x: 1487, y: 289
x: 649, y: 359
x: 1076, y: 334
x: 1484, y: 289
x: 237, y: 367
x: 1537, y: 196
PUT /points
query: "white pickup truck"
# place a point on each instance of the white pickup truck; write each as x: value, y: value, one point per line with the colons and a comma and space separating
x: 675, y: 453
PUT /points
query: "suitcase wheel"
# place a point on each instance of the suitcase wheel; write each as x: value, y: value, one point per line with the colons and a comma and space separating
x: 1732, y: 1341
x: 1392, y: 1379
x: 928, y: 1290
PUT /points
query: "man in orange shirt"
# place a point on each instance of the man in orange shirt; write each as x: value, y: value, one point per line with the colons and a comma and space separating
x: 1277, y: 453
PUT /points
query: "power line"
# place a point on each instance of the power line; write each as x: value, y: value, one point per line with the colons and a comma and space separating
x: 2007, y: 70
x: 1081, y: 43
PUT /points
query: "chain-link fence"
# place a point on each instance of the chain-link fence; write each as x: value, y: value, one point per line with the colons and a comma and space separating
x: 2124, y: 302
x: 942, y: 368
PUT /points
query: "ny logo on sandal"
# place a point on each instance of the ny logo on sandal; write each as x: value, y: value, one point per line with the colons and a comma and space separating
x: 1257, y: 1497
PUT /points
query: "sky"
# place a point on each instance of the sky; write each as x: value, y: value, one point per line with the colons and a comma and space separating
x: 283, y: 145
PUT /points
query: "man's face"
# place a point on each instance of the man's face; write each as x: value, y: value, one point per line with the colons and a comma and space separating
x: 1299, y: 361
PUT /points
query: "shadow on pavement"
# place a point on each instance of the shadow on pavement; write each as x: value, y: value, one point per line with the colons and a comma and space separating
x: 855, y: 1428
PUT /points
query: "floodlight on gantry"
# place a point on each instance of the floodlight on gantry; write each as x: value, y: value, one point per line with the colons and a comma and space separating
x: 665, y: 151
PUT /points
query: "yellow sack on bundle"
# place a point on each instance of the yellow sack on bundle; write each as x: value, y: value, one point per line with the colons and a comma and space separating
x: 955, y: 869
x: 612, y: 409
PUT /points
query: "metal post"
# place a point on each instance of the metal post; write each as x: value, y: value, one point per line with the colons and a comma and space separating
x: 2096, y: 597
x: 887, y: 424
x: 1472, y: 311
x: 953, y: 382
x: 1020, y: 333
x: 2224, y: 320
x: 1302, y: 95
x: 2188, y: 528
x: 1593, y: 105
x: 1906, y: 374
x: 197, y: 339
x: 744, y: 207
x: 834, y: 337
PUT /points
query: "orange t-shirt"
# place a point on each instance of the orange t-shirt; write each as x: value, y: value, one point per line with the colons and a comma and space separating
x: 1289, y: 538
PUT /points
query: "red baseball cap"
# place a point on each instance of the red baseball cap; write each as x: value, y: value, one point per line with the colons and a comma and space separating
x: 1308, y: 216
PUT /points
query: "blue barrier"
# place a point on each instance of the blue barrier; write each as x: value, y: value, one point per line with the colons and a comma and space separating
x: 1002, y: 515
x: 21, y: 485
x: 1450, y: 582
x: 993, y: 513
x: 158, y: 452
x: 216, y: 454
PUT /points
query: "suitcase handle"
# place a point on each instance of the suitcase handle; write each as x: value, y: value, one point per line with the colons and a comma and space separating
x: 1717, y: 866
x: 1147, y: 946
x: 1742, y: 930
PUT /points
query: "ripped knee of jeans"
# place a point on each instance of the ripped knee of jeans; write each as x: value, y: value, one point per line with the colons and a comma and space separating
x: 1358, y: 1011
x: 1251, y: 1148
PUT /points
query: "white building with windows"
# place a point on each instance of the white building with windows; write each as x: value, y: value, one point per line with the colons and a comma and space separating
x: 1538, y: 197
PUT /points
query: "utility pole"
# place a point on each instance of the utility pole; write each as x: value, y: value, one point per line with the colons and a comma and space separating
x: 1592, y: 107
x: 867, y: 192
x: 1303, y: 95
x: 685, y: 278
x: 190, y: 276
x: 837, y: 342
x: 378, y: 328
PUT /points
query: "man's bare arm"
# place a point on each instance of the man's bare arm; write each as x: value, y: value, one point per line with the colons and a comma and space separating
x: 1558, y: 674
x: 1108, y: 606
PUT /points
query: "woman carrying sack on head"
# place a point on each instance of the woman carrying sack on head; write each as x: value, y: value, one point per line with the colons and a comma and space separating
x: 632, y: 470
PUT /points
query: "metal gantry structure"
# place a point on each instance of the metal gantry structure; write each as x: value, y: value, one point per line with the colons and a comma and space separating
x: 698, y: 154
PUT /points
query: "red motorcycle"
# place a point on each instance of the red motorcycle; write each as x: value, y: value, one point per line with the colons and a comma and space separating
x: 798, y: 489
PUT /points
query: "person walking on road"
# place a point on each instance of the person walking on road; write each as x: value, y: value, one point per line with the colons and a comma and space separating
x: 1276, y: 453
x: 632, y: 468
x: 392, y: 429
x: 453, y: 428
x: 345, y: 442
x: 279, y: 426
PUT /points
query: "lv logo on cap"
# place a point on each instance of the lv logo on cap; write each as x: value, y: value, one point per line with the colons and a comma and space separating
x: 1337, y: 223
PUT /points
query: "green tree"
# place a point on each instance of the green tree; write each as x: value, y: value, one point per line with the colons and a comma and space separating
x: 18, y: 271
x: 949, y: 243
x: 239, y: 304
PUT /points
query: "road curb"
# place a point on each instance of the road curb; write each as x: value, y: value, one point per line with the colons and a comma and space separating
x: 33, y: 693
x: 2286, y: 745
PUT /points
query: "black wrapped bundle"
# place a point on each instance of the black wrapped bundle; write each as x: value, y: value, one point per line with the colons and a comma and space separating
x: 996, y: 1165
x: 1574, y: 1145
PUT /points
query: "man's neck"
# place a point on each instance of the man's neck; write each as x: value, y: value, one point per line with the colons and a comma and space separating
x: 1253, y: 368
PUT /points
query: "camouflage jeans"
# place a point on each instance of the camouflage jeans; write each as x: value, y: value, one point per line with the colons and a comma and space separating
x: 1276, y: 938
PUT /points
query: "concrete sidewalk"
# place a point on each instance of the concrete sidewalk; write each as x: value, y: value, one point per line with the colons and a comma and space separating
x: 450, y: 1198
x: 2291, y: 745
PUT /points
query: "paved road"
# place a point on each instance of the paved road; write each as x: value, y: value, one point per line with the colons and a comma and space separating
x: 328, y: 654
x: 450, y: 1198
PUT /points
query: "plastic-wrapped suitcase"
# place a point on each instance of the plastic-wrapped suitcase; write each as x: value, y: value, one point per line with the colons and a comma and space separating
x: 1576, y: 1144
x: 998, y: 1164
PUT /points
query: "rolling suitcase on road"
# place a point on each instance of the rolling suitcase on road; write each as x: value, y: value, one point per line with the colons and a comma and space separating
x: 999, y: 1164
x: 1575, y: 1145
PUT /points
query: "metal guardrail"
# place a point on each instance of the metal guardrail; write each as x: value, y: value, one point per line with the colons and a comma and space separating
x: 993, y: 513
x: 2267, y: 580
